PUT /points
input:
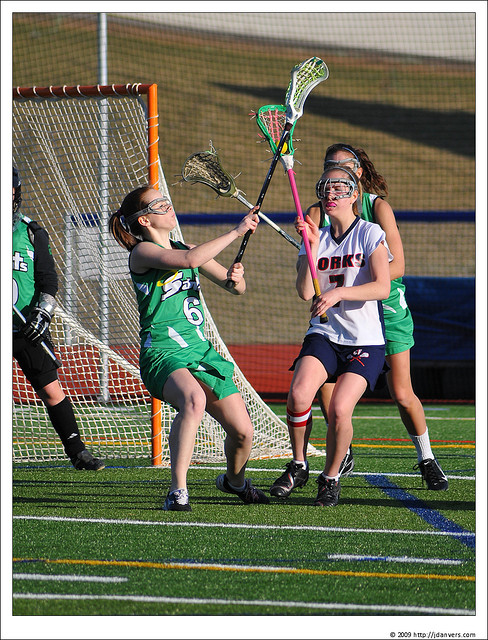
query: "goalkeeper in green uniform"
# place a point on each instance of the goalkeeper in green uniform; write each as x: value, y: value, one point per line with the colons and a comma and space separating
x: 178, y: 364
x: 35, y: 284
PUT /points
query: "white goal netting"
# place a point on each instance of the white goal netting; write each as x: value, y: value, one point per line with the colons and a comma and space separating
x: 77, y: 158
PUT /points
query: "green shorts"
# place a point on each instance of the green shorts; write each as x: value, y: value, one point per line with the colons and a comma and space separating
x: 398, y: 330
x: 203, y: 362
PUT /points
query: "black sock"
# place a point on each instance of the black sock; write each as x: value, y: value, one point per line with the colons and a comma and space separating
x: 64, y: 423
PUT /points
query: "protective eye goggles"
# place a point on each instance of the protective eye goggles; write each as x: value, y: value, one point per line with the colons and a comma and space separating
x: 337, y: 187
x: 331, y: 164
x: 159, y: 206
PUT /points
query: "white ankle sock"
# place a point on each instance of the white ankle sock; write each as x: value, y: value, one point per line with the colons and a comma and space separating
x: 336, y: 478
x: 301, y: 463
x: 422, y: 445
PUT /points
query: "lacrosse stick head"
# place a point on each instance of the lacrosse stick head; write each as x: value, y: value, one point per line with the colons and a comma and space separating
x: 304, y: 77
x: 271, y: 120
x: 205, y: 167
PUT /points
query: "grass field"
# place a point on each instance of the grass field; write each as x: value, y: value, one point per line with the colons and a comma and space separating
x: 99, y: 544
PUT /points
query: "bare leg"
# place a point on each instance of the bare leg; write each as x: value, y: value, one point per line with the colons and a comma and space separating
x: 232, y: 414
x: 324, y: 396
x: 347, y: 391
x: 400, y: 387
x: 308, y: 376
x: 182, y: 390
x: 51, y: 394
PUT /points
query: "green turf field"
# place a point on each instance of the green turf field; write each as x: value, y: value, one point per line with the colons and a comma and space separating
x: 87, y: 544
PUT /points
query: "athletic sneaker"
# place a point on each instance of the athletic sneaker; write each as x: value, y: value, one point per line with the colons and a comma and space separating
x: 85, y: 460
x: 177, y: 501
x: 328, y: 493
x: 432, y: 474
x: 295, y: 476
x: 347, y: 464
x: 249, y: 495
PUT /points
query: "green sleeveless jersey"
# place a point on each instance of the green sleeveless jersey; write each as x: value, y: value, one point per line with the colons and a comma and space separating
x: 25, y: 295
x: 396, y: 298
x: 170, y: 311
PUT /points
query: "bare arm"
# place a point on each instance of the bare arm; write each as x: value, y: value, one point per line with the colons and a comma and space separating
x: 148, y: 255
x: 218, y: 274
x: 385, y: 217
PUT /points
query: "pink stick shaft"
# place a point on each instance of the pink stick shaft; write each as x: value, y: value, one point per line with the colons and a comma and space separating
x: 306, y: 242
x: 298, y: 207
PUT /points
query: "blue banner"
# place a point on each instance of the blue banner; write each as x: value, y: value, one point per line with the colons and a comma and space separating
x: 443, y: 311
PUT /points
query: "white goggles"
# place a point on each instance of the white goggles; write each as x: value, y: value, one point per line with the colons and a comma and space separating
x: 331, y: 164
x: 337, y: 187
x: 159, y: 206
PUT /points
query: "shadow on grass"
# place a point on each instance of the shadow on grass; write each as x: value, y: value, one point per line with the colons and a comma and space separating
x: 432, y: 128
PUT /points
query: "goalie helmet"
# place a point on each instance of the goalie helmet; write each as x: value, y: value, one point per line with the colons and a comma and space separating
x: 17, y: 199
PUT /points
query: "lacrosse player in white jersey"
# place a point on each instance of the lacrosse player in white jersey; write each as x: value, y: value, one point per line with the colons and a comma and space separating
x: 397, y: 316
x: 352, y: 262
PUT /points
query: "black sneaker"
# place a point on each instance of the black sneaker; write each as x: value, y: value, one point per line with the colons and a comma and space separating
x: 347, y: 464
x: 249, y: 495
x: 328, y: 493
x: 85, y: 460
x: 432, y: 474
x: 295, y: 476
x: 177, y: 501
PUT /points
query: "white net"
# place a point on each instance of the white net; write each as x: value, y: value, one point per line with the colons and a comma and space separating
x: 77, y: 158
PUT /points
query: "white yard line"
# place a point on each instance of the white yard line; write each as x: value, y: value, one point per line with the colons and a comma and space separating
x: 400, y: 559
x: 412, y: 474
x: 222, y: 525
x: 67, y: 578
x: 347, y: 606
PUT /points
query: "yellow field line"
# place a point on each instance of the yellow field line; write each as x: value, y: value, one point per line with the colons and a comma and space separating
x: 210, y: 567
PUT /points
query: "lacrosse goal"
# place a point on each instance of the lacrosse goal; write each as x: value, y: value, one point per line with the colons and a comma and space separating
x: 79, y: 150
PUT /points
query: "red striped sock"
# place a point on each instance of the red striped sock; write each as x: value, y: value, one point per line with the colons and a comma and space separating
x: 298, y: 419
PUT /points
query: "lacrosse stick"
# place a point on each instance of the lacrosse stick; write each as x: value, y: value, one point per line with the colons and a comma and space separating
x: 57, y: 362
x: 271, y: 120
x: 304, y: 77
x: 205, y: 167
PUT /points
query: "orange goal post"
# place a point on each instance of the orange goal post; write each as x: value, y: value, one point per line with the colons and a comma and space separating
x: 79, y: 150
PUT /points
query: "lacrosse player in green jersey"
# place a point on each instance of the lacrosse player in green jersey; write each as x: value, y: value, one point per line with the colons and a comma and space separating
x: 178, y: 364
x: 35, y: 285
x: 397, y: 316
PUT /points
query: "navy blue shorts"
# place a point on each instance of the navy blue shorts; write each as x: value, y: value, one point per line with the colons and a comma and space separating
x: 367, y: 361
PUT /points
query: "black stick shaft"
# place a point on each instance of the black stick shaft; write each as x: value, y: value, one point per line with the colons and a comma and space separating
x: 230, y: 284
x: 57, y: 362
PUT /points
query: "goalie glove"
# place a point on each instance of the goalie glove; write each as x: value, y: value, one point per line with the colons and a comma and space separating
x: 37, y: 324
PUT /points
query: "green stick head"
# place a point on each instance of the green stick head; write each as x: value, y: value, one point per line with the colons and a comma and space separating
x: 271, y: 120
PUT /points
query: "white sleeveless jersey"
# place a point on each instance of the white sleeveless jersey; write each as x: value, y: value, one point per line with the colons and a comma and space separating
x: 344, y: 262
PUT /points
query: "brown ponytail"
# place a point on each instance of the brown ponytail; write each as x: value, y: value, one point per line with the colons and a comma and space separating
x: 128, y: 235
x: 371, y: 180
